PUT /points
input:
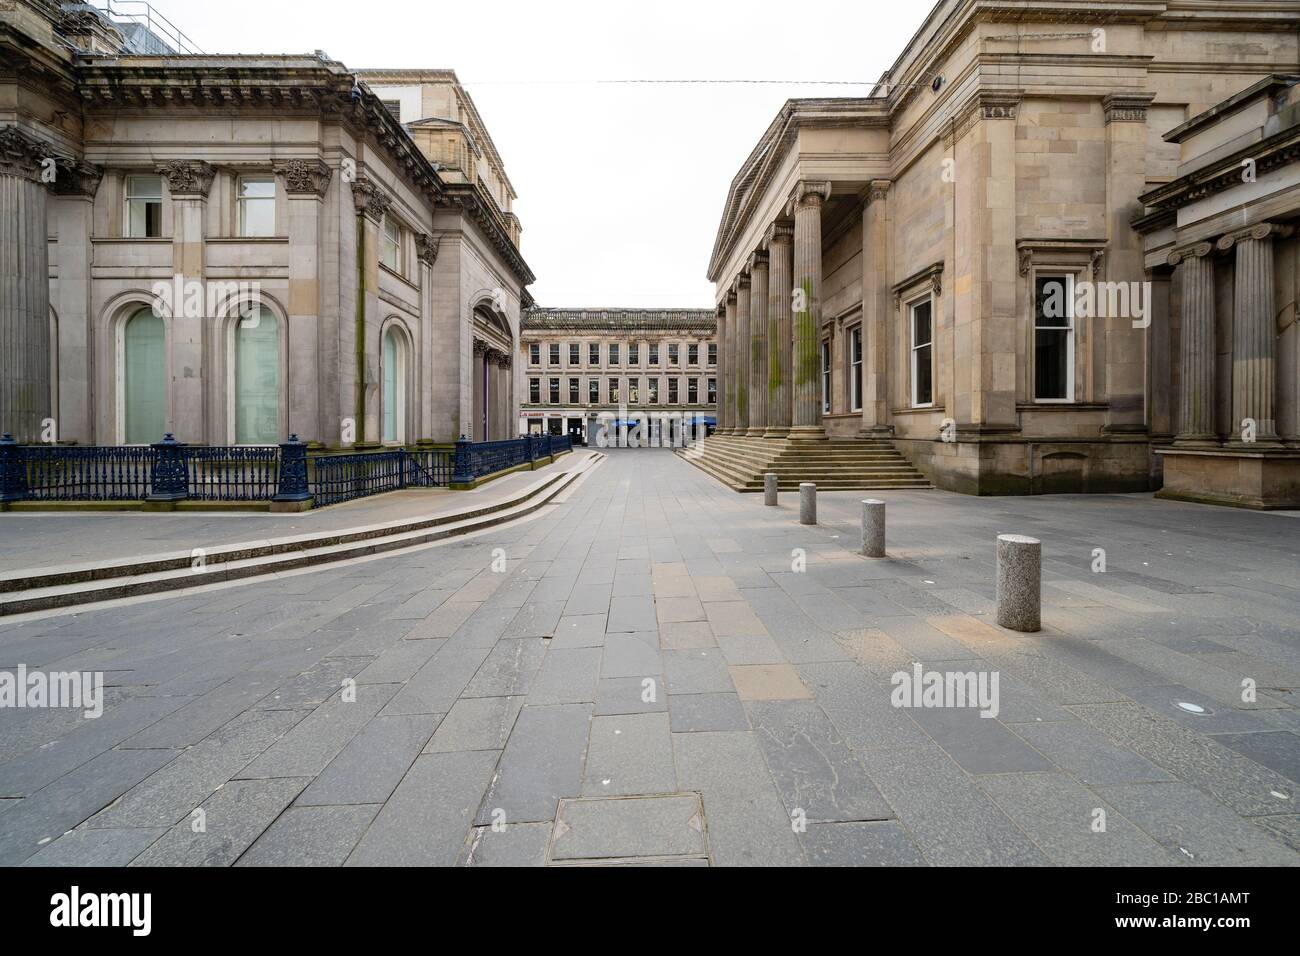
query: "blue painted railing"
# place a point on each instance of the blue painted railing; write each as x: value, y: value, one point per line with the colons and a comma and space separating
x: 173, y: 471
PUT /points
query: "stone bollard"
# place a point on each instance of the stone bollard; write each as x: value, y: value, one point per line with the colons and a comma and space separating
x: 873, y: 528
x: 769, y: 489
x: 807, y: 502
x: 1019, y: 582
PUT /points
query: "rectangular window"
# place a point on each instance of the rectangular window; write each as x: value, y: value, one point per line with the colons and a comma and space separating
x: 634, y: 354
x: 713, y: 353
x: 674, y: 353
x: 593, y: 353
x: 855, y: 368
x: 593, y: 391
x: 713, y: 391
x: 256, y: 206
x: 692, y: 391
x: 673, y: 394
x: 534, y: 354
x: 633, y: 391
x: 693, y: 354
x: 652, y: 388
x: 575, y: 354
x: 573, y: 392
x: 826, y: 378
x: 143, y: 207
x: 613, y: 391
x: 654, y: 353
x: 554, y: 354
x: 555, y: 391
x: 922, y: 363
x: 613, y: 353
x: 1053, y: 338
x: 390, y: 246
x: 535, y: 390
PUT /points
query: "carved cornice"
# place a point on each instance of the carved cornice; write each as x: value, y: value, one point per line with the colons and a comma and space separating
x: 1126, y: 107
x: 426, y: 247
x: 1197, y: 250
x: 1259, y: 232
x: 369, y: 199
x: 22, y: 154
x: 1094, y: 249
x: 187, y: 178
x: 932, y: 273
x: 808, y: 194
x: 467, y: 199
x: 1273, y: 152
x: 304, y: 177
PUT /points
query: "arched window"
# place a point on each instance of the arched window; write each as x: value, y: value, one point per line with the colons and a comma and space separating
x: 395, y: 390
x: 144, y: 379
x: 257, y: 379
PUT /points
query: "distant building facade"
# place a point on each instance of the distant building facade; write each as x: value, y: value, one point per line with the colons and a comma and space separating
x: 234, y: 249
x: 584, y: 368
x: 894, y: 266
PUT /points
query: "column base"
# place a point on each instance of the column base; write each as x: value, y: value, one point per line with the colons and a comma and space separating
x: 777, y: 431
x: 807, y: 433
x: 1197, y: 441
x: 754, y: 432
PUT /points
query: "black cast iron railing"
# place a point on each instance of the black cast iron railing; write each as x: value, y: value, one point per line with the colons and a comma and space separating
x: 173, y: 471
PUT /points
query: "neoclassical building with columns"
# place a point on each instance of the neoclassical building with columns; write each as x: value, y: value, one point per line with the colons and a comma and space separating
x: 234, y: 249
x: 892, y: 268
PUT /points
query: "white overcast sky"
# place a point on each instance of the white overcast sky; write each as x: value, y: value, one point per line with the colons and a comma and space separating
x: 620, y: 185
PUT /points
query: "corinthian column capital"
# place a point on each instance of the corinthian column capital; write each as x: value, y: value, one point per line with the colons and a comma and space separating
x: 808, y: 193
x: 303, y: 177
x: 187, y: 179
x: 369, y: 199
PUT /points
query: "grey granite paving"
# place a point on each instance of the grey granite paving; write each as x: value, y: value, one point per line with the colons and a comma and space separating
x: 649, y: 681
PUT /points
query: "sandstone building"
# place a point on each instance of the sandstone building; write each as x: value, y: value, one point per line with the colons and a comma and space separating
x: 906, y: 252
x: 585, y: 367
x: 336, y: 266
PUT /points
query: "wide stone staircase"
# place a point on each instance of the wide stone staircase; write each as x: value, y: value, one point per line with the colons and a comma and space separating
x: 838, y: 464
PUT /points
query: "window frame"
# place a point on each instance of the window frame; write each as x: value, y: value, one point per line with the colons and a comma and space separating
x: 395, y: 242
x: 911, y: 307
x: 535, y: 354
x: 242, y: 201
x: 593, y: 353
x: 553, y: 355
x: 534, y: 391
x: 855, y: 368
x: 128, y: 198
x: 553, y: 391
x: 826, y: 359
x: 1070, y: 329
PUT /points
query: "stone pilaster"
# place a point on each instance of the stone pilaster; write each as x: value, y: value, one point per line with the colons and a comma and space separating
x: 740, y: 376
x: 360, y: 388
x: 25, y: 388
x: 192, y: 337
x: 779, y: 241
x: 806, y: 207
x: 1253, y: 333
x: 758, y: 270
x: 1196, y: 345
x: 876, y: 310
x: 305, y: 183
x: 726, y: 366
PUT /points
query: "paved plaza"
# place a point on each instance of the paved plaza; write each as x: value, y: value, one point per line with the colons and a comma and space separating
x: 657, y: 669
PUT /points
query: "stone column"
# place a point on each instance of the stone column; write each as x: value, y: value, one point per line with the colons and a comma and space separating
x: 780, y: 335
x: 362, y: 328
x: 1196, y: 345
x: 740, y: 376
x: 758, y: 268
x: 1253, y: 333
x: 722, y: 313
x: 727, y: 370
x: 876, y: 311
x: 426, y: 253
x: 25, y: 389
x: 305, y: 182
x: 192, y: 415
x: 806, y: 207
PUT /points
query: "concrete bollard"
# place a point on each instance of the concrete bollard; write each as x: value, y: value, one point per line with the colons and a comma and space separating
x: 769, y: 489
x: 873, y: 528
x: 1020, y: 593
x: 807, y: 502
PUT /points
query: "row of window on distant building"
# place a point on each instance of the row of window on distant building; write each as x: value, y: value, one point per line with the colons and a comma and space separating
x: 615, y: 352
x: 614, y: 394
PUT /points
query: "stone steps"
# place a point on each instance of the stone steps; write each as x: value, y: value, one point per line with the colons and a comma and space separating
x: 834, y: 465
